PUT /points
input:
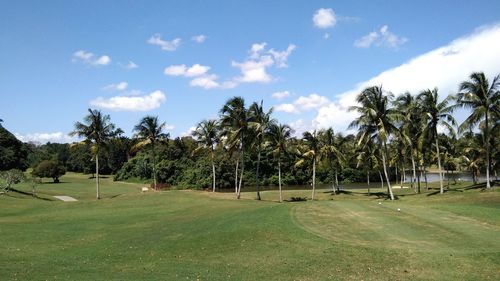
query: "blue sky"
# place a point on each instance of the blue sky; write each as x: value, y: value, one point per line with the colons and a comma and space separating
x: 181, y: 60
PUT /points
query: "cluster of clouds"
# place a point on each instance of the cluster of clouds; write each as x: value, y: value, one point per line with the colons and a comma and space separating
x: 146, y: 102
x: 173, y: 44
x: 381, y: 37
x: 90, y: 59
x: 254, y: 69
x: 41, y: 138
x: 443, y: 67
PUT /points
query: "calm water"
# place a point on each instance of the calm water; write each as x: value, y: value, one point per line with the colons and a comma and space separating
x: 433, y: 177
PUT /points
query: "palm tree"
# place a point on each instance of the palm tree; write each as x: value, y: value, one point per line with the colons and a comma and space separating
x: 310, y: 150
x: 207, y: 135
x: 149, y: 131
x: 279, y: 134
x: 234, y: 121
x: 436, y: 114
x: 376, y: 121
x: 97, y: 129
x: 260, y: 121
x: 330, y: 151
x: 484, y: 100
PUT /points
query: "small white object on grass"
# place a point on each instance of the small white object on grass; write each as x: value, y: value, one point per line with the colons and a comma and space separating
x: 399, y: 210
x: 380, y: 203
x: 144, y: 189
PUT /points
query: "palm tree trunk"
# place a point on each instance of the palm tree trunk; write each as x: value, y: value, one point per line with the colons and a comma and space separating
x: 236, y: 176
x: 336, y: 179
x: 314, y: 178
x: 154, y: 166
x: 414, y: 171
x: 402, y: 176
x: 385, y: 172
x: 242, y: 170
x: 381, y: 179
x: 368, y: 180
x: 97, y: 174
x: 257, y: 174
x: 213, y: 172
x: 441, y: 190
x: 487, y: 142
x: 279, y: 180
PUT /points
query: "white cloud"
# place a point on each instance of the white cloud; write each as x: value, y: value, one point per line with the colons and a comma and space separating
x: 257, y: 49
x: 90, y: 59
x: 199, y: 38
x: 42, y: 138
x: 382, y: 37
x: 254, y: 70
x: 116, y: 87
x: 183, y: 70
x: 300, y: 126
x: 324, y: 18
x: 444, y: 68
x: 281, y: 58
x: 280, y: 95
x: 131, y: 65
x: 205, y: 82
x: 131, y: 103
x: 169, y: 127
x: 286, y: 107
x: 312, y: 101
x: 188, y: 132
x: 170, y: 46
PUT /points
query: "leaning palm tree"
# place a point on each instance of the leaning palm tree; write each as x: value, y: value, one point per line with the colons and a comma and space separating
x: 310, y: 150
x: 484, y: 100
x: 375, y: 122
x: 207, y: 135
x: 436, y: 114
x: 331, y: 153
x: 97, y: 130
x: 234, y: 121
x: 150, y: 131
x: 279, y: 135
x: 260, y: 121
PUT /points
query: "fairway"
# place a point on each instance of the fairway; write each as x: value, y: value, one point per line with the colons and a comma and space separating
x: 198, y: 235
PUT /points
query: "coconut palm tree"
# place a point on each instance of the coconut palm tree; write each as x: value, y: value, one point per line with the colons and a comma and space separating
x: 483, y: 99
x: 330, y: 152
x: 207, y: 135
x: 310, y: 150
x: 97, y: 130
x: 150, y: 132
x: 260, y: 121
x: 279, y: 135
x: 436, y: 114
x: 376, y: 121
x: 234, y: 121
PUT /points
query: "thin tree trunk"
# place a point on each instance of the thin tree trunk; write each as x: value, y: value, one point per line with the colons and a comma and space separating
x: 385, y: 172
x: 337, y: 179
x: 425, y: 178
x: 97, y: 174
x: 154, y: 167
x: 314, y: 178
x: 368, y: 180
x: 257, y: 174
x: 236, y: 176
x: 242, y: 170
x: 414, y: 171
x: 487, y: 141
x: 381, y: 179
x: 396, y: 174
x: 441, y: 189
x: 279, y: 180
x: 402, y: 177
x: 213, y: 172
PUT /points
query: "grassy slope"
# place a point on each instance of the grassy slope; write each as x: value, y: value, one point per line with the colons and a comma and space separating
x: 193, y: 235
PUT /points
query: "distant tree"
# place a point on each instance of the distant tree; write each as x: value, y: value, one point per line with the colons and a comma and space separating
x: 436, y: 114
x: 97, y: 130
x: 33, y: 182
x: 150, y: 131
x: 310, y: 150
x: 207, y: 136
x: 484, y: 100
x: 260, y: 121
x: 49, y: 169
x: 330, y: 151
x: 11, y: 177
x: 13, y: 153
x: 279, y: 136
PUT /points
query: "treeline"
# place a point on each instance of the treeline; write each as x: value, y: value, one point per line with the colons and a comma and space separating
x: 247, y: 146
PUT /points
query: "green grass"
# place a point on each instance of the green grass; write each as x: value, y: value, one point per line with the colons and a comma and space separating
x: 196, y: 235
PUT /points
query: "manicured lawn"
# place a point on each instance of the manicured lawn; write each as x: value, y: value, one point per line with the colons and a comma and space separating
x: 197, y: 235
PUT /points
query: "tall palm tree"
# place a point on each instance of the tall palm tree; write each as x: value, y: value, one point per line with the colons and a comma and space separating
x: 150, y: 131
x: 279, y: 135
x: 207, y: 135
x: 376, y: 121
x: 330, y: 151
x: 234, y: 120
x: 97, y: 130
x: 260, y: 121
x: 437, y: 114
x: 310, y: 150
x: 484, y: 100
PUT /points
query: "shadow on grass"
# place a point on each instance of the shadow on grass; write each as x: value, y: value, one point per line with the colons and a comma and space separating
x: 27, y: 194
